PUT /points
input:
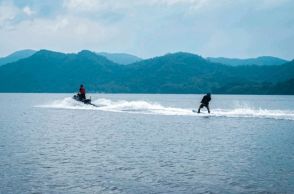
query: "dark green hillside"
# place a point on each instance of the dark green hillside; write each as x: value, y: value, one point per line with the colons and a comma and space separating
x: 176, y: 73
x: 48, y: 71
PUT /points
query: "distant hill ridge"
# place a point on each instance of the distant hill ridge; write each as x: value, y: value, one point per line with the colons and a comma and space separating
x: 264, y: 60
x: 16, y: 56
x: 121, y: 58
x: 126, y: 59
x: 48, y: 71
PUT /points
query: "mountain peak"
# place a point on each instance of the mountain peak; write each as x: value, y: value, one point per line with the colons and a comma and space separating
x: 83, y: 52
x: 21, y: 54
x: 120, y: 58
x: 47, y: 53
x: 184, y: 54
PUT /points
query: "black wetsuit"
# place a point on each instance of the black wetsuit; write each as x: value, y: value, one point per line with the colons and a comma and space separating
x: 205, y: 103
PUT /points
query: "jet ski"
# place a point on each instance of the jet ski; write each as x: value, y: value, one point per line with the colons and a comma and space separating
x: 85, y: 101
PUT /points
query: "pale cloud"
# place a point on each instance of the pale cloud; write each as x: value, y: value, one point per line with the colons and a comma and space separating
x: 270, y: 4
x: 64, y: 33
x: 82, y: 5
x: 243, y: 28
x: 57, y: 25
x: 8, y: 12
x: 28, y: 11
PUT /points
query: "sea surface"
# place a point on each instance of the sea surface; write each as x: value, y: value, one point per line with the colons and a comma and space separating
x: 139, y: 143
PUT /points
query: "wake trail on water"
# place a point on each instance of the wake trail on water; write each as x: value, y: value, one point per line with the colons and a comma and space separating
x: 145, y: 107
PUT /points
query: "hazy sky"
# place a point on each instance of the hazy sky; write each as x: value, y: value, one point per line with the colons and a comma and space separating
x: 230, y: 28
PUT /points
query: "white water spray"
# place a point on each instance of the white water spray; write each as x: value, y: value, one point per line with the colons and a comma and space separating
x: 144, y: 107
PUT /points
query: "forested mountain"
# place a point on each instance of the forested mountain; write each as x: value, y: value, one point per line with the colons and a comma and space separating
x: 48, y: 71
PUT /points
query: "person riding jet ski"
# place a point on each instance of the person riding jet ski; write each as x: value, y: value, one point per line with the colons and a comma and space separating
x: 82, y: 93
x: 81, y: 96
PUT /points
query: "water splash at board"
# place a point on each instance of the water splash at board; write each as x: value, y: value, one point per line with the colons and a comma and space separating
x: 144, y: 107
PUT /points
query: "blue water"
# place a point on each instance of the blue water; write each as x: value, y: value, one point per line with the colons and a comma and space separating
x: 146, y: 144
